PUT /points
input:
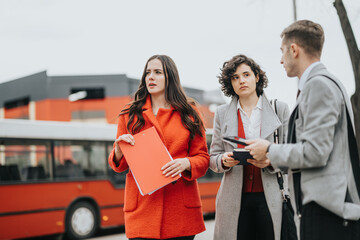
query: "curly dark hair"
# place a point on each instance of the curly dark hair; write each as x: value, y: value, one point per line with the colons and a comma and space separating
x: 230, y: 67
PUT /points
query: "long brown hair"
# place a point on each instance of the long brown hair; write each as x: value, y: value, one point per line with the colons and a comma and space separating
x: 174, y: 94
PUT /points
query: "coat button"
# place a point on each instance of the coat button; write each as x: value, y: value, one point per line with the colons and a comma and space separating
x: 251, y: 177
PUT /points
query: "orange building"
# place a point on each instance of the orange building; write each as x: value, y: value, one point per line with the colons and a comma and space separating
x: 95, y: 98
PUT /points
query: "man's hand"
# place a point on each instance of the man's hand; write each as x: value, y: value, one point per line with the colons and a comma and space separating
x: 257, y: 148
x: 260, y: 163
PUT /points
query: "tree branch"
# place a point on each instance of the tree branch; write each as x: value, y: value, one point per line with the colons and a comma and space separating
x: 350, y: 40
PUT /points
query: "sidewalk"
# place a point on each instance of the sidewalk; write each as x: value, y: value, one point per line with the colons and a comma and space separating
x: 207, y: 235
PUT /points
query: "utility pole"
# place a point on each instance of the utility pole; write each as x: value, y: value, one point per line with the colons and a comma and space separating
x: 294, y: 8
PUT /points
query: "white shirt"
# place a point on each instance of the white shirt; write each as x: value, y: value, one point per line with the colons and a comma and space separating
x: 305, y: 75
x: 252, y: 124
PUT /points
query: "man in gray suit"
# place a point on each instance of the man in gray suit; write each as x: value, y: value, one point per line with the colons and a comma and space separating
x: 326, y: 195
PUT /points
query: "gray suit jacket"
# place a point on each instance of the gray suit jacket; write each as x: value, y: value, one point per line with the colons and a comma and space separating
x: 228, y: 200
x: 321, y: 150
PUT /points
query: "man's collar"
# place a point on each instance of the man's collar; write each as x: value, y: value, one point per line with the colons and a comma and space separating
x: 305, y: 75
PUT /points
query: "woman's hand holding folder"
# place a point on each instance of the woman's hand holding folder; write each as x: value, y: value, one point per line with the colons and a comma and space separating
x: 176, y: 167
x: 173, y: 168
x: 128, y: 138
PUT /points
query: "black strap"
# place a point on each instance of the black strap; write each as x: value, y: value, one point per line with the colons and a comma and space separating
x: 297, y: 190
x: 279, y: 175
x: 354, y: 153
x: 296, y: 172
x: 291, y: 138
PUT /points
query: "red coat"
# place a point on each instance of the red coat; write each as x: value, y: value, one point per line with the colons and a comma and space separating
x: 174, y: 210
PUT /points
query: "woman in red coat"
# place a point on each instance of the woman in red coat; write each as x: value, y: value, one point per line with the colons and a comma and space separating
x: 174, y: 211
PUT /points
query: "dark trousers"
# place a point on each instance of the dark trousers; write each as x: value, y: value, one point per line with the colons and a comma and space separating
x: 177, y: 238
x: 317, y: 223
x: 254, y: 220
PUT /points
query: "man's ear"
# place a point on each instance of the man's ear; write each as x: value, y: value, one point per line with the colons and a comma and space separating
x: 294, y: 50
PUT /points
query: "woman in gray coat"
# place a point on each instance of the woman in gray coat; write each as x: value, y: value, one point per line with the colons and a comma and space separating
x: 249, y: 203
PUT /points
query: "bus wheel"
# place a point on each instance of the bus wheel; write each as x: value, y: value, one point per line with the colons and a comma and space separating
x: 81, y: 221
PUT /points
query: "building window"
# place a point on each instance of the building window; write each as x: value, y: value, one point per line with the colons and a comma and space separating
x: 17, y: 108
x: 91, y: 93
x: 17, y: 103
x: 88, y: 116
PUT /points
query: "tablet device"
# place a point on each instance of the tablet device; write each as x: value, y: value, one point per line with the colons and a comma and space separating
x: 242, y: 155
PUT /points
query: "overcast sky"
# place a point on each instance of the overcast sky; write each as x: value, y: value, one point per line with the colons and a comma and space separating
x: 69, y: 37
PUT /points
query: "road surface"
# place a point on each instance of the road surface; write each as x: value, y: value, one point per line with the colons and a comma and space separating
x: 207, y: 235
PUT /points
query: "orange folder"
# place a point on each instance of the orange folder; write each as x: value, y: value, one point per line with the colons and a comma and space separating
x: 146, y: 159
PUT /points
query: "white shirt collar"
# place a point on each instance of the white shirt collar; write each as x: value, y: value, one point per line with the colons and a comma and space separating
x: 305, y: 75
x: 258, y: 105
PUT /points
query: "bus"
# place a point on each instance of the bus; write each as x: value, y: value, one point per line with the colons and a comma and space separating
x: 55, y: 179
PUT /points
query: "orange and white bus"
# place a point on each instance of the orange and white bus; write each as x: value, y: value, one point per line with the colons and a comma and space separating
x: 55, y: 179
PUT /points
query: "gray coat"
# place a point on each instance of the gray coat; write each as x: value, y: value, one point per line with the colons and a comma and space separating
x: 228, y: 200
x: 321, y: 150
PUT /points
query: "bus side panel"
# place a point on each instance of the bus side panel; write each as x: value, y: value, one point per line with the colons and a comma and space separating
x: 26, y: 202
x: 208, y: 191
x: 109, y: 199
x: 112, y: 217
x: 208, y: 205
x: 43, y: 196
x: 31, y: 224
x: 36, y: 209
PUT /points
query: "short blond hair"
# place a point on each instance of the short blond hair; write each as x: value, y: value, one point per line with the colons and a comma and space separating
x: 306, y: 34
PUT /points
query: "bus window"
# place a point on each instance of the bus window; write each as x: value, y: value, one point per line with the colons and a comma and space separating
x: 98, y: 159
x: 210, y: 175
x: 79, y: 160
x: 118, y: 179
x: 26, y: 160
